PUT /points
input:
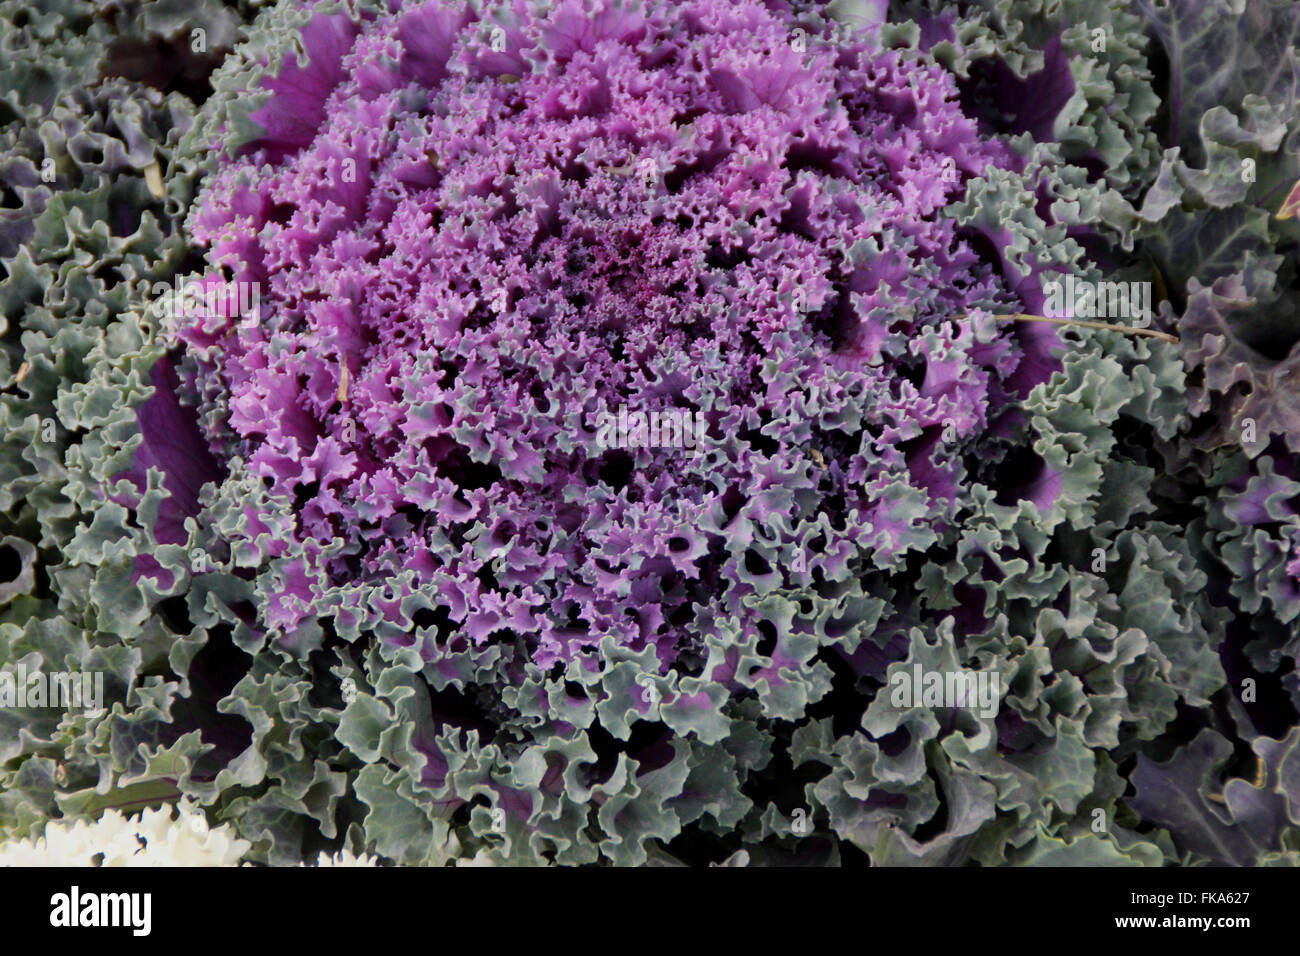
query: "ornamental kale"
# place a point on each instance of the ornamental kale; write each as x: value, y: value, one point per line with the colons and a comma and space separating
x: 624, y: 432
x: 469, y: 257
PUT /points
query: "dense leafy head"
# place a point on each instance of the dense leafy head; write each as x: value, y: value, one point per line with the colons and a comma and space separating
x: 477, y: 238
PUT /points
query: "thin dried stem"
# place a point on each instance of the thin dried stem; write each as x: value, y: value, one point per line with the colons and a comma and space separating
x: 1022, y: 317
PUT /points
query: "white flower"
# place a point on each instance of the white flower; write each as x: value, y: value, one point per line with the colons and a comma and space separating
x: 345, y: 858
x: 166, y: 836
